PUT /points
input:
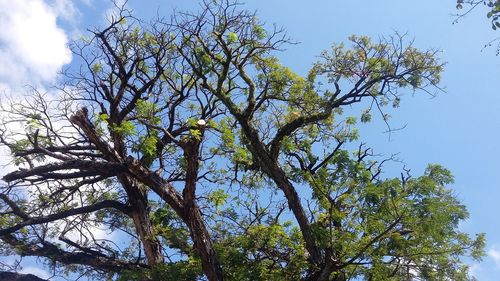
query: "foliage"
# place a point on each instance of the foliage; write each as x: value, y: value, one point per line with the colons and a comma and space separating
x: 192, y: 143
x: 493, y: 7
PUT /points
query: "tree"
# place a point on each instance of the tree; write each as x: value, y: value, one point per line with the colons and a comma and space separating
x: 191, y: 142
x: 493, y: 9
x: 493, y: 13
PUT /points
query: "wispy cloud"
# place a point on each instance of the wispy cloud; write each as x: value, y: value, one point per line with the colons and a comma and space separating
x: 494, y: 254
x: 66, y: 9
x: 474, y: 269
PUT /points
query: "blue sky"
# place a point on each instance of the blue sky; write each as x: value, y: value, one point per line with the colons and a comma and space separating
x: 458, y: 129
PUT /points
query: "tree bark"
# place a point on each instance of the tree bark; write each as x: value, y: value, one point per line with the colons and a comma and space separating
x: 272, y: 169
x: 54, y: 253
x: 140, y: 216
x: 198, y: 231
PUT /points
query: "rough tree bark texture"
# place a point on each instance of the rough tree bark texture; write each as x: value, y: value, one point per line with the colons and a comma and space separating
x: 193, y: 216
x: 139, y: 211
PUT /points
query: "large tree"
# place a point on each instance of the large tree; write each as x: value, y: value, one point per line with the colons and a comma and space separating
x: 208, y: 159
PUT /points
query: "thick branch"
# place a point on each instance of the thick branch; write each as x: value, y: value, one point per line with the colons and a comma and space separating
x: 53, y: 253
x: 50, y: 218
x: 289, y: 128
x: 81, y: 120
x: 98, y: 167
x: 194, y: 219
x: 272, y: 169
x: 139, y: 212
x: 160, y: 186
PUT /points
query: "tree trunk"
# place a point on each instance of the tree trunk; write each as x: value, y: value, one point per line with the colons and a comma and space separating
x: 193, y: 218
x: 142, y: 222
x: 272, y: 169
x: 203, y: 244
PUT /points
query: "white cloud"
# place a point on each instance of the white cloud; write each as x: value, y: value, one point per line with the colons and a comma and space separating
x: 494, y: 254
x: 5, y: 162
x: 474, y: 269
x: 35, y: 271
x: 66, y: 9
x: 77, y: 234
x: 33, y: 48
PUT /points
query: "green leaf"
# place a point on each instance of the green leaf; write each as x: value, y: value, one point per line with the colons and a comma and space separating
x: 259, y: 32
x: 96, y: 67
x: 351, y: 120
x: 366, y: 116
x: 126, y: 128
x: 218, y: 197
x: 232, y: 37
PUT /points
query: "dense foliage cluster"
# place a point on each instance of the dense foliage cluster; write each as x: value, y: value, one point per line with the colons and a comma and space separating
x: 206, y: 158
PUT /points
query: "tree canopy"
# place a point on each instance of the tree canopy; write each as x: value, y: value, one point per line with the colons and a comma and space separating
x: 206, y: 158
